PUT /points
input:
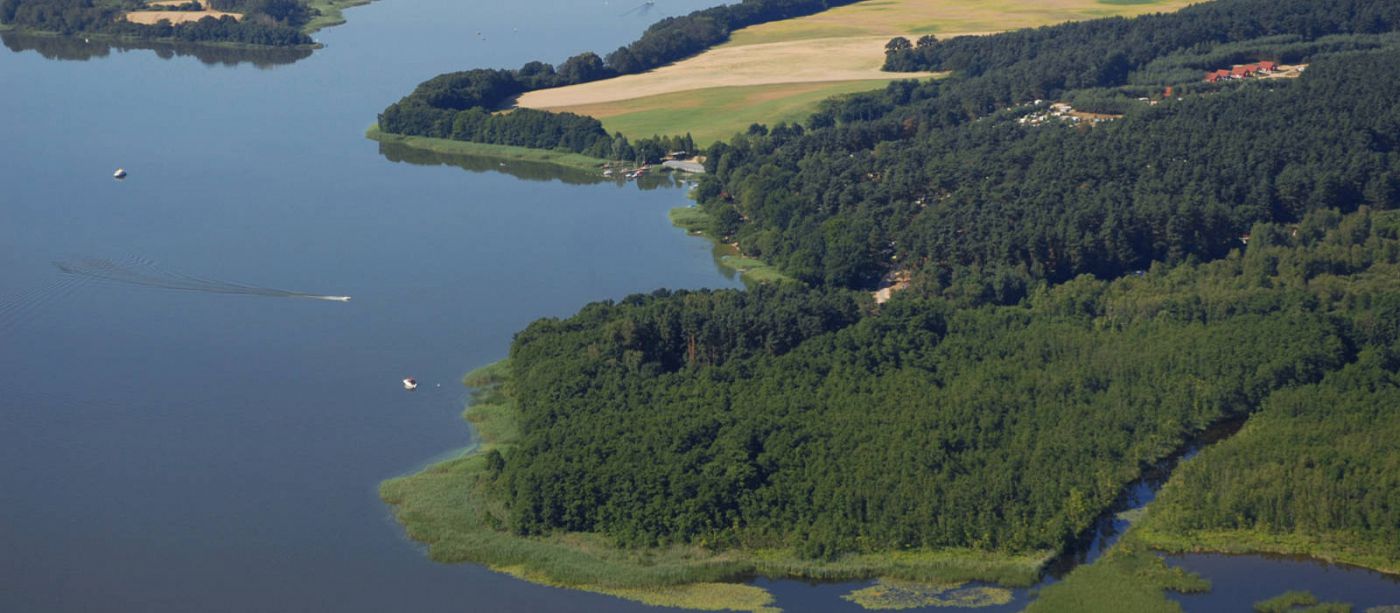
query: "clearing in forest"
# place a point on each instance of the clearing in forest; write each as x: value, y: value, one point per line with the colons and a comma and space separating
x: 838, y: 48
x: 176, y: 17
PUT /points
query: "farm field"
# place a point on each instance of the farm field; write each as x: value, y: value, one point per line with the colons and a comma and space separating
x: 943, y: 18
x: 716, y: 113
x: 174, y: 17
x: 842, y: 48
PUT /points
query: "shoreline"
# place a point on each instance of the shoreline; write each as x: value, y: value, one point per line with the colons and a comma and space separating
x: 429, y: 506
x: 332, y: 14
x: 102, y: 37
x: 752, y: 271
x: 574, y: 161
x: 1253, y: 543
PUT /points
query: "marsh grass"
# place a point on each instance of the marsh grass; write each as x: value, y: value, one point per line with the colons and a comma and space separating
x: 1129, y: 577
x: 692, y: 218
x: 501, y: 152
x: 894, y: 595
x: 449, y: 506
x: 1285, y: 602
x: 1337, y: 548
x: 752, y: 270
x: 331, y: 13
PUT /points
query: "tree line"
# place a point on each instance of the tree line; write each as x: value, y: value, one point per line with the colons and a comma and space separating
x: 265, y: 22
x: 453, y: 105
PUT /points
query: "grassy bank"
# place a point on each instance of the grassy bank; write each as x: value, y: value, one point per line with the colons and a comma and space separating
x: 752, y: 270
x: 1334, y: 548
x: 1129, y: 577
x: 331, y: 13
x: 448, y: 507
x: 503, y: 152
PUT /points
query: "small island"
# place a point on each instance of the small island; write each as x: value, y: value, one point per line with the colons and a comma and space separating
x: 252, y: 23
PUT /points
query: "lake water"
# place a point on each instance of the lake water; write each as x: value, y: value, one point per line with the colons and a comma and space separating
x: 219, y: 448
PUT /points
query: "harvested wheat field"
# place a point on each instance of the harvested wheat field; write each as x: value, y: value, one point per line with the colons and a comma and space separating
x: 943, y: 18
x: 843, y: 45
x: 853, y: 59
x: 174, y: 17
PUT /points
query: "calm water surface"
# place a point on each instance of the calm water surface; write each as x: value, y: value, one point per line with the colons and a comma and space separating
x: 193, y: 451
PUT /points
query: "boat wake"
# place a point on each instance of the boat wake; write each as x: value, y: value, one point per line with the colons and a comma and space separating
x: 145, y: 273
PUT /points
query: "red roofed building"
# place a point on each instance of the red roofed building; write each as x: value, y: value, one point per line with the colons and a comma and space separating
x: 1212, y: 77
x: 1268, y: 66
x: 1241, y: 72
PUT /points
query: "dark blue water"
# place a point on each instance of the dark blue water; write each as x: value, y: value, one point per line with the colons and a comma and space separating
x: 171, y: 450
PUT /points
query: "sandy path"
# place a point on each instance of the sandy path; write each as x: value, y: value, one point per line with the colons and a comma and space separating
x: 803, y: 61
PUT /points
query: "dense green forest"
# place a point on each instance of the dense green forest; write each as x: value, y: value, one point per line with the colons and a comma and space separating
x: 936, y: 178
x: 460, y: 105
x: 803, y: 418
x: 1318, y: 462
x: 265, y: 22
x: 1085, y: 299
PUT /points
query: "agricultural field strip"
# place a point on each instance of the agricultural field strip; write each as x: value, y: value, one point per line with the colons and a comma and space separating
x: 808, y: 61
x: 842, y: 44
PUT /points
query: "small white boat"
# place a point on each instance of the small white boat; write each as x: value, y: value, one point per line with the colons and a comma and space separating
x: 410, y: 384
x: 119, y: 174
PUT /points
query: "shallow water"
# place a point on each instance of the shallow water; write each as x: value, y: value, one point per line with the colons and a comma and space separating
x: 220, y: 451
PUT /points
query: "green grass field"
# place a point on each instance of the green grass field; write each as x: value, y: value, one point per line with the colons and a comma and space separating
x: 456, y: 147
x: 717, y: 113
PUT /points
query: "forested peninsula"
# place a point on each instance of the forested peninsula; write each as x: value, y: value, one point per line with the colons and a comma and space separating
x: 1102, y: 253
x: 262, y: 23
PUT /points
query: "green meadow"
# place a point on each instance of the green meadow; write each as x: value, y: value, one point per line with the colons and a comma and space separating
x: 717, y: 113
